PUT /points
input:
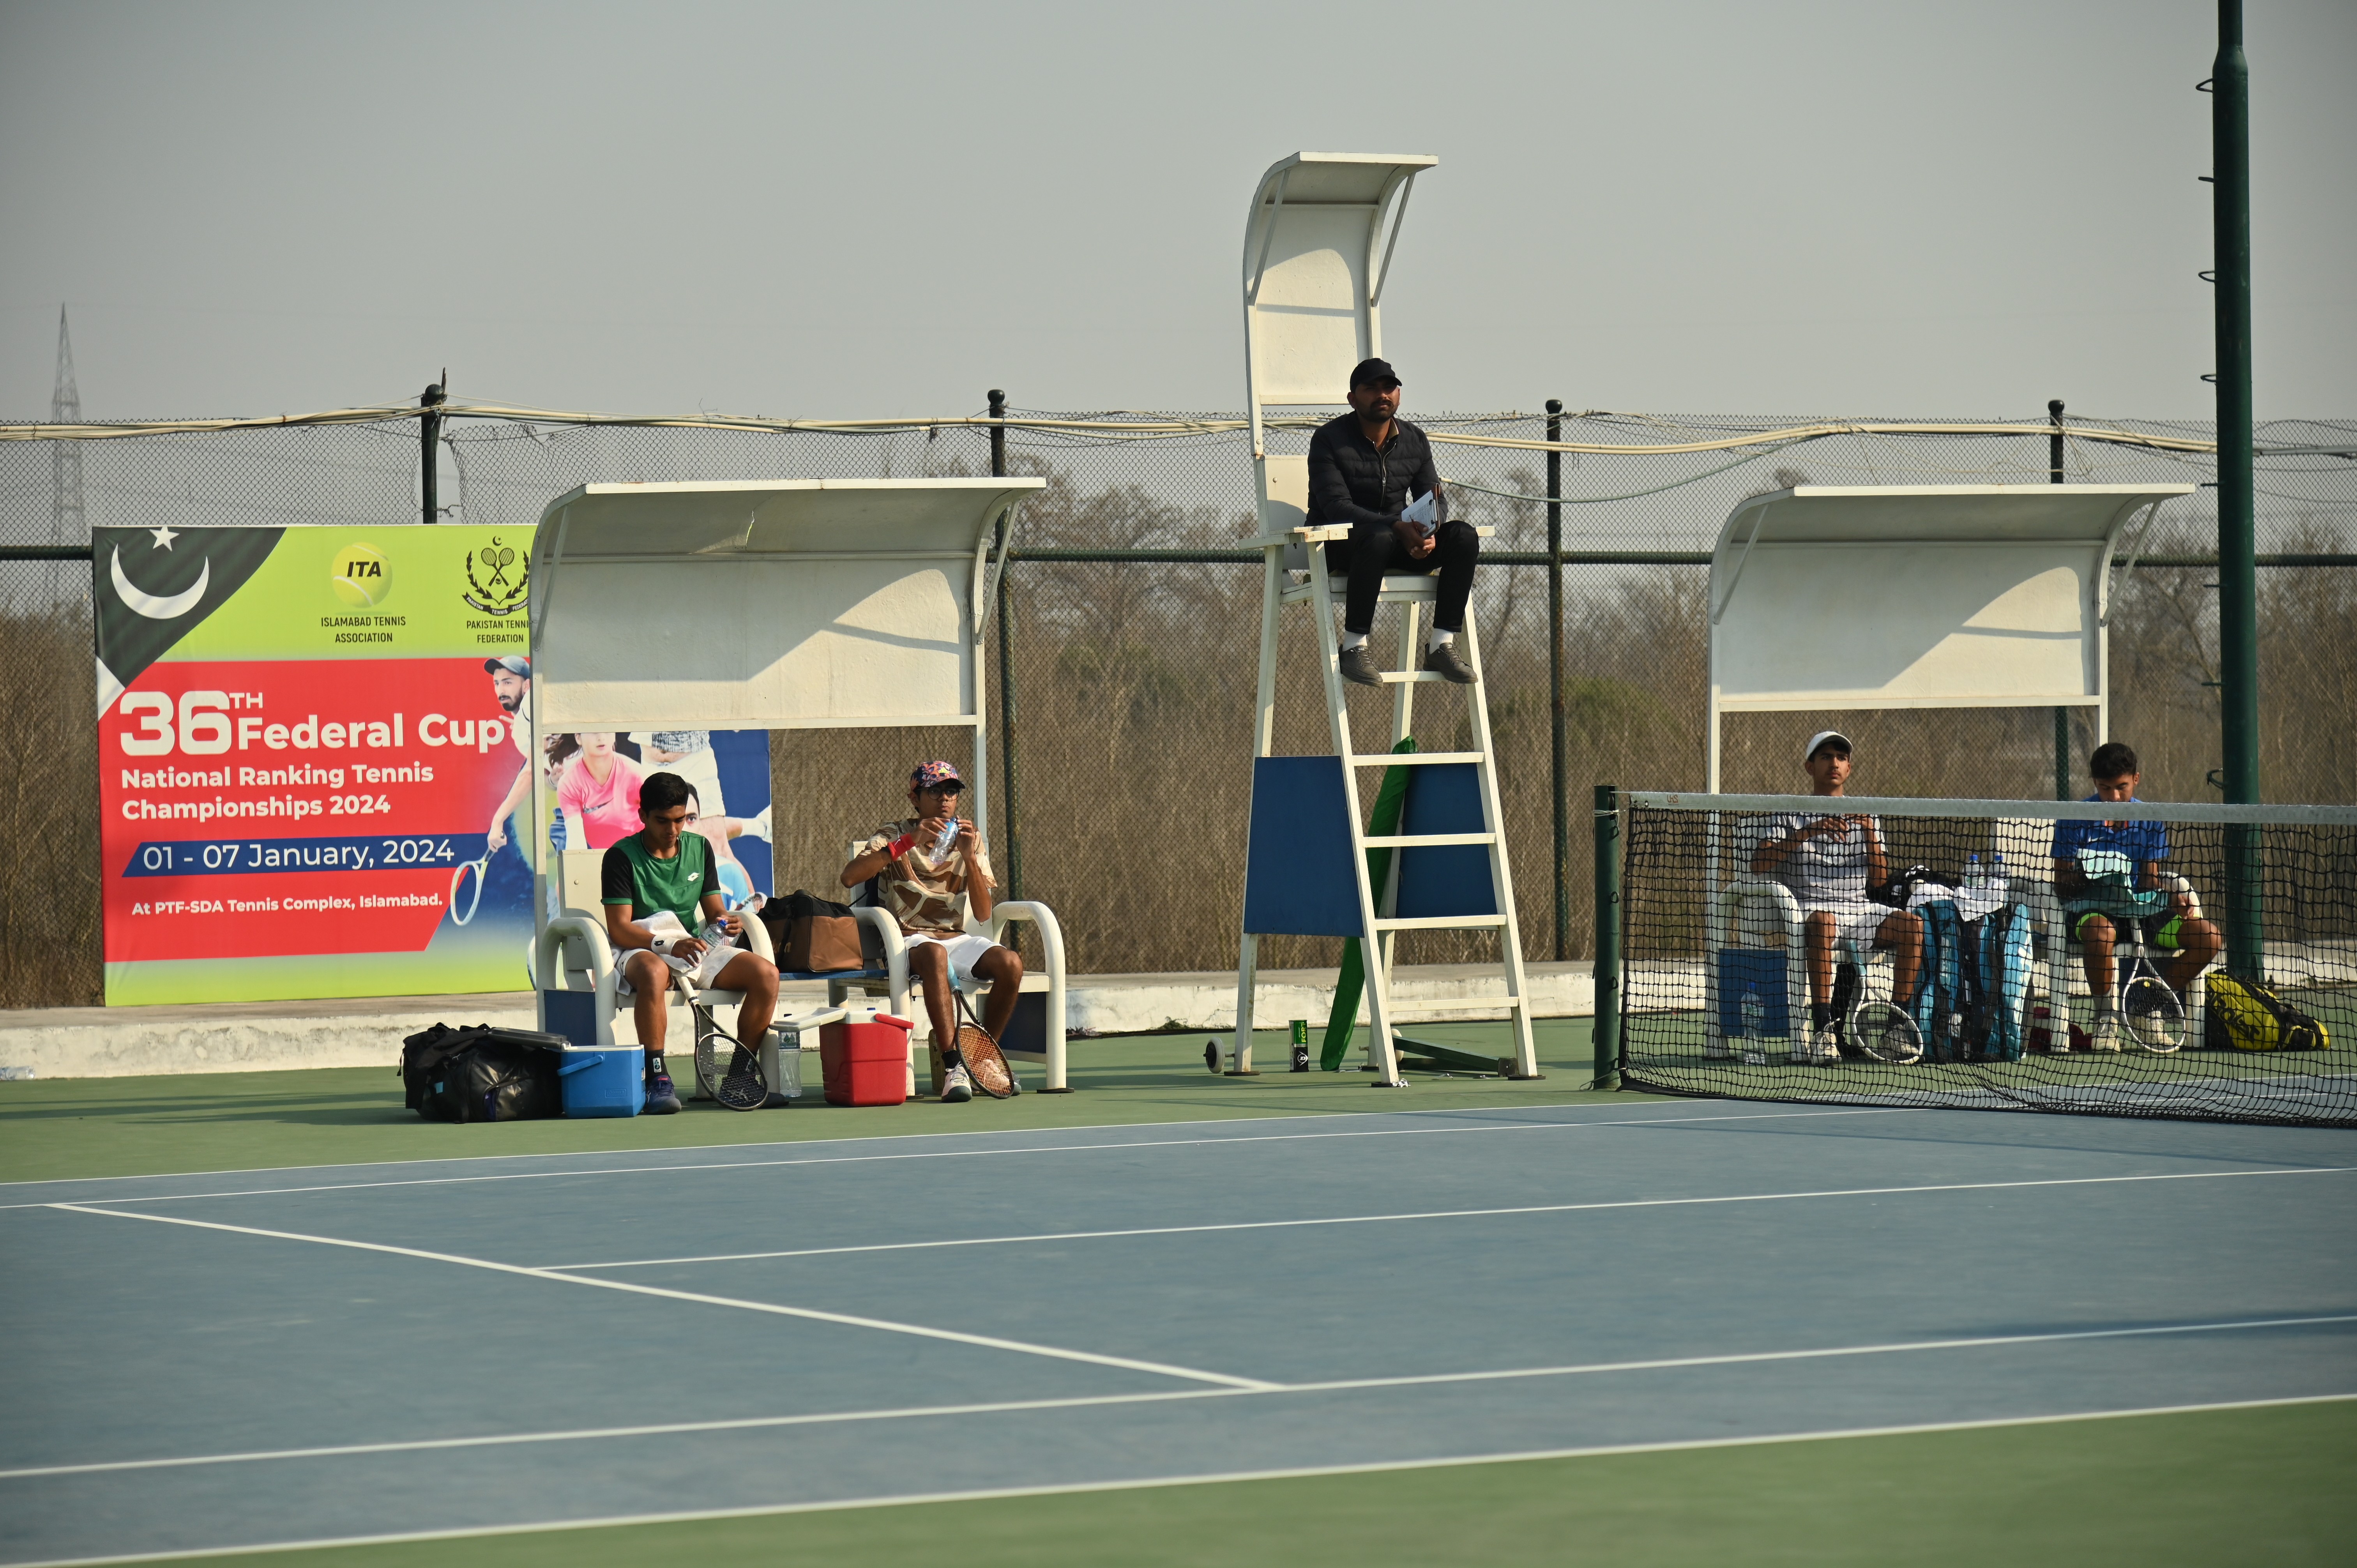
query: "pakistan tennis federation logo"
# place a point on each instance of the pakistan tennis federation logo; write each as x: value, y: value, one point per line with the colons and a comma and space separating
x: 498, y: 576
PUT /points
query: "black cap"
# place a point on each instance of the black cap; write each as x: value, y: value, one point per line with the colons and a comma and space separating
x: 513, y: 663
x: 1373, y: 372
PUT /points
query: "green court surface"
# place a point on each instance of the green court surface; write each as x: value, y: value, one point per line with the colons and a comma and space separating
x: 2251, y: 1487
x: 211, y: 1122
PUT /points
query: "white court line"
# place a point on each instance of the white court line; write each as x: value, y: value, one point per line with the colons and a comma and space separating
x: 888, y: 1326
x: 1443, y: 1214
x: 976, y: 1154
x: 1349, y: 1385
x: 1306, y: 1472
x: 1266, y: 1120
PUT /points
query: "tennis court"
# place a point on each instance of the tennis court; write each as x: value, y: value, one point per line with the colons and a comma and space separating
x: 447, y: 1348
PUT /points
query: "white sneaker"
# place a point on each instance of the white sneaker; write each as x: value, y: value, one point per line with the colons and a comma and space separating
x: 956, y: 1086
x: 1824, y: 1049
x: 2105, y: 1035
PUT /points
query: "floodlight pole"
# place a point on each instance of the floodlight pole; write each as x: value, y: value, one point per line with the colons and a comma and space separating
x: 2238, y: 648
x: 1559, y: 767
x: 429, y: 440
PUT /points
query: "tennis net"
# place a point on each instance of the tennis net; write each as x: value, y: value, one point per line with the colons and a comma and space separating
x: 2144, y: 960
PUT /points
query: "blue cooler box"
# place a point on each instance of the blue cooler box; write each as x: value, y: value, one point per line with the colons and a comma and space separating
x: 611, y: 1081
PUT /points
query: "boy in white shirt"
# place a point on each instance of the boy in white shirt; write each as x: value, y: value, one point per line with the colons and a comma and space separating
x: 1829, y: 861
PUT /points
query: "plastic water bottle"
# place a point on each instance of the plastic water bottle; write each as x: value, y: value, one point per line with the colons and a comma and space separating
x: 1973, y: 878
x: 1755, y: 1026
x: 1997, y: 871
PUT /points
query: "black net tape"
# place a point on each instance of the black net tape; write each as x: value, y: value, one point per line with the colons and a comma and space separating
x: 1756, y: 967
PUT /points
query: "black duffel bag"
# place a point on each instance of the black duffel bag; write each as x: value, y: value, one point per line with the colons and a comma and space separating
x: 482, y: 1074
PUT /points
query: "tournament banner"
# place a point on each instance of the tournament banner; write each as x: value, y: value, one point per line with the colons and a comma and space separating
x: 312, y: 764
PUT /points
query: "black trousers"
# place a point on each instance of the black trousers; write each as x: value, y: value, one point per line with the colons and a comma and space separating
x: 1366, y: 555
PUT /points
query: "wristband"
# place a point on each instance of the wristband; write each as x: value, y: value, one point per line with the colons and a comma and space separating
x: 900, y: 846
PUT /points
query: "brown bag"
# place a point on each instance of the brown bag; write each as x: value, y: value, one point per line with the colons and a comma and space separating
x: 813, y: 936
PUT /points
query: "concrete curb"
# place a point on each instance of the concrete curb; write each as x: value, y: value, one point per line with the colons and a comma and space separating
x: 121, y: 1042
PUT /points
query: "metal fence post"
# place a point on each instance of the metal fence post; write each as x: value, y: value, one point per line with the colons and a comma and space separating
x: 1608, y: 1063
x: 2062, y: 768
x: 2238, y: 618
x: 1005, y: 660
x: 429, y: 442
x: 1558, y: 767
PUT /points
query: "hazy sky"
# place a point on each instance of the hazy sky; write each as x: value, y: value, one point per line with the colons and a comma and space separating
x: 1765, y: 207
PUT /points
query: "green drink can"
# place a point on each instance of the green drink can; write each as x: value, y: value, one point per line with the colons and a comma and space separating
x: 1301, y: 1045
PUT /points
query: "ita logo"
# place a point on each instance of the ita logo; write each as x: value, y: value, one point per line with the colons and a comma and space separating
x: 497, y: 576
x: 360, y: 577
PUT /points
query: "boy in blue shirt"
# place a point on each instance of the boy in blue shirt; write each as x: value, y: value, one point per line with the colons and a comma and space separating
x: 2194, y: 941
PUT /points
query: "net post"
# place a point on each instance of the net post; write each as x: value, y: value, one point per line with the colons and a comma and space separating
x: 1606, y: 1066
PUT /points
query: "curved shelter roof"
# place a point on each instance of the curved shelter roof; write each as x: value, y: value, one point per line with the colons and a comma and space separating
x: 1919, y: 596
x: 771, y: 604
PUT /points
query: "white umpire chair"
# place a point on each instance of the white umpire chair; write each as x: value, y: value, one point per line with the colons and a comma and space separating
x: 1318, y: 248
x: 1832, y: 598
x: 808, y: 605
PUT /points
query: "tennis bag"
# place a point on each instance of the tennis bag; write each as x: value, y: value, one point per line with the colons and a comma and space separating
x: 2249, y: 1016
x: 2000, y: 984
x: 483, y: 1074
x: 813, y: 936
x: 1939, y: 996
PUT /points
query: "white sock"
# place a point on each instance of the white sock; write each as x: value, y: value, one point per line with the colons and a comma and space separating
x: 1352, y: 639
x: 1441, y: 638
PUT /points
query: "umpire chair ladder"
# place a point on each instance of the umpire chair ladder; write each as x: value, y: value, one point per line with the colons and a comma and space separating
x: 1293, y: 574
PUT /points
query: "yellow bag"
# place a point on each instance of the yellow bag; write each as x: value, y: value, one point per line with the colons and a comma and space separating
x: 2248, y: 1016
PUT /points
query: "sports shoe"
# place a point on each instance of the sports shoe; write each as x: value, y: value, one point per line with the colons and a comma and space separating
x: 662, y: 1099
x: 2106, y: 1034
x: 956, y: 1086
x: 1824, y: 1049
x: 1357, y: 667
x: 1443, y: 662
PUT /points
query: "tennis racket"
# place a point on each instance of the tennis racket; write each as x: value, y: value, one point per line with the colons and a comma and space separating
x: 1886, y: 1033
x: 726, y: 1072
x: 467, y: 890
x: 2154, y: 1015
x: 984, y: 1063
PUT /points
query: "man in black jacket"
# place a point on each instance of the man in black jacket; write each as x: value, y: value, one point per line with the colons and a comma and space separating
x: 1364, y: 469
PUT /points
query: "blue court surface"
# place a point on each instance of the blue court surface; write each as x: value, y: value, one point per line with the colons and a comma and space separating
x: 445, y: 1347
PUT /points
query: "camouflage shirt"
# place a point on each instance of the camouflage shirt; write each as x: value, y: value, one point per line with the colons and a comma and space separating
x: 928, y: 900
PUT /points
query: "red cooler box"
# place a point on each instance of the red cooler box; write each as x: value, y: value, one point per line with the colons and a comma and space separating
x: 865, y: 1058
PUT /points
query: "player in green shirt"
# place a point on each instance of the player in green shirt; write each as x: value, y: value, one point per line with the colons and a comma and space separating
x: 666, y: 869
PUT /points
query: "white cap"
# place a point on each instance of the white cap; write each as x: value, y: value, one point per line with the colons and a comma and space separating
x: 1820, y: 738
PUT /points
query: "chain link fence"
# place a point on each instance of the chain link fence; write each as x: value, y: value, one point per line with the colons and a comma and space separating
x: 1123, y: 686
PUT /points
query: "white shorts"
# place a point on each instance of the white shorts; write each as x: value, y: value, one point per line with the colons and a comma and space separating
x: 965, y: 953
x: 707, y: 968
x: 1853, y: 922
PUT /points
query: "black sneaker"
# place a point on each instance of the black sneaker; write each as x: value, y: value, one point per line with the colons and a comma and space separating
x: 1443, y: 662
x: 662, y: 1099
x: 1358, y: 668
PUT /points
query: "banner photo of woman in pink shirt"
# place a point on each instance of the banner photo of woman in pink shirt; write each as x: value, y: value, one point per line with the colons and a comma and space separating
x: 597, y: 790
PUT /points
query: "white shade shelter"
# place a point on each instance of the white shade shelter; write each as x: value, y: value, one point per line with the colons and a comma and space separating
x: 1919, y: 596
x: 773, y: 604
